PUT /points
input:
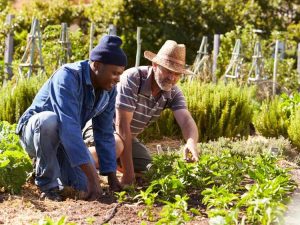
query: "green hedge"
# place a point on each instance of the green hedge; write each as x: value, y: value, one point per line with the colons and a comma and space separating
x: 272, y: 120
x: 16, y: 97
x: 218, y: 110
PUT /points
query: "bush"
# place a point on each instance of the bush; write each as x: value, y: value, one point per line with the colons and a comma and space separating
x: 17, y: 97
x: 253, y: 146
x: 218, y: 110
x: 294, y: 129
x: 14, y: 162
x: 272, y: 120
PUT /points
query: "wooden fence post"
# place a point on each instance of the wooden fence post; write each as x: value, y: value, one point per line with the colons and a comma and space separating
x: 65, y: 44
x: 298, y: 62
x: 275, y: 67
x: 139, y: 43
x: 215, y: 57
x: 92, y: 31
x: 9, y: 45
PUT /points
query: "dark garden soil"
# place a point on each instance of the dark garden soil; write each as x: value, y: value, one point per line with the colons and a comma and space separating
x: 28, y: 208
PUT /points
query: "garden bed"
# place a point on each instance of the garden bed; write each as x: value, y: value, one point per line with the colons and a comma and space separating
x: 27, y: 208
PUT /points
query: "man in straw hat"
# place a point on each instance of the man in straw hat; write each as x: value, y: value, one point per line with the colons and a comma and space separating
x: 143, y: 93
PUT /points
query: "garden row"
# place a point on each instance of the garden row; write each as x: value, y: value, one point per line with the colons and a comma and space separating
x: 219, y: 110
x: 230, y: 111
x: 233, y: 183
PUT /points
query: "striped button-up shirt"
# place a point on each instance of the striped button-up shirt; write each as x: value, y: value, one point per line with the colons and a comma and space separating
x: 134, y: 95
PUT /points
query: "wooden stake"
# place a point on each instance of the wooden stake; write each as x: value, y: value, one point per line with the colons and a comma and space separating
x: 139, y: 43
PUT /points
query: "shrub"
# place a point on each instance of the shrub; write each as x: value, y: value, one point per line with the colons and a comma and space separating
x: 14, y: 162
x: 248, y: 147
x: 218, y: 110
x: 272, y: 120
x: 17, y: 97
x: 294, y: 129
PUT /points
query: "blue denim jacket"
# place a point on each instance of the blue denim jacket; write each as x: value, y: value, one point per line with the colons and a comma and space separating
x: 70, y: 94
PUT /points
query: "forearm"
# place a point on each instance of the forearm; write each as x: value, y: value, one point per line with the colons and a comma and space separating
x: 190, y: 131
x: 126, y: 156
x: 90, y: 172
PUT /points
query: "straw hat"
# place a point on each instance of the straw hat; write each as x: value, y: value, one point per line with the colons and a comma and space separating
x: 171, y: 56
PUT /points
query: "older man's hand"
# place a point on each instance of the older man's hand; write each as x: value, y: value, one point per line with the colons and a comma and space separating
x: 113, y: 182
x: 190, y: 153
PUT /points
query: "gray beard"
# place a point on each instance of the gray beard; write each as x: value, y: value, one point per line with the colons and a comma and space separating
x: 162, y: 86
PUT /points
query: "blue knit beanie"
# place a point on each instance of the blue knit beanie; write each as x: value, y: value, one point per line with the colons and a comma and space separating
x: 108, y: 51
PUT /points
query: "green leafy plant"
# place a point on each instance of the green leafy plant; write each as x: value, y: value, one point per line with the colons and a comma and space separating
x: 14, y: 162
x: 219, y: 197
x: 176, y: 213
x: 272, y: 120
x: 50, y: 221
x: 148, y: 199
x: 294, y: 129
x: 236, y: 187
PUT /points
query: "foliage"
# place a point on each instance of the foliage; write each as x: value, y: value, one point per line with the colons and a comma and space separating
x: 278, y: 117
x: 249, y: 147
x: 218, y: 110
x: 294, y: 129
x: 188, y: 21
x: 16, y: 98
x: 235, y: 189
x: 14, y: 162
x: 176, y: 213
x: 286, y: 71
x: 50, y: 221
x: 53, y: 53
x: 272, y: 120
x: 104, y: 13
x: 184, y: 21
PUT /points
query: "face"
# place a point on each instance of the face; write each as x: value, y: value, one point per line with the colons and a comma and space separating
x: 106, y: 76
x: 165, y: 78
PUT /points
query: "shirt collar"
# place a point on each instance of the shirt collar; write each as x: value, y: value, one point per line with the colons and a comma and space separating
x: 87, y: 72
x: 146, y: 84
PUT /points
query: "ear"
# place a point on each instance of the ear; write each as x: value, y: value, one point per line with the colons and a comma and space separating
x: 96, y: 66
x: 154, y: 66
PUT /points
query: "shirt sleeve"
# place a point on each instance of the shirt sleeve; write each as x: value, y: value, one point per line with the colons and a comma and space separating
x: 127, y: 90
x: 177, y: 100
x: 65, y: 98
x: 104, y: 136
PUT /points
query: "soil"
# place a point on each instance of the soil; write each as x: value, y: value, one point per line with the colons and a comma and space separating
x: 28, y: 208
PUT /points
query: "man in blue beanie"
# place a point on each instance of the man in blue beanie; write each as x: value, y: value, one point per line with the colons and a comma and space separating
x: 51, y: 128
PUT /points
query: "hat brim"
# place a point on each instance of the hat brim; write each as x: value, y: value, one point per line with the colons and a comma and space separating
x: 177, y: 69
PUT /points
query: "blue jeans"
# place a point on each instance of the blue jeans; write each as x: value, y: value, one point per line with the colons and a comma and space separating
x: 40, y: 139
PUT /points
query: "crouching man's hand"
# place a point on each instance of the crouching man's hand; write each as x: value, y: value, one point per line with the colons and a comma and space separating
x: 94, y: 190
x: 190, y: 153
